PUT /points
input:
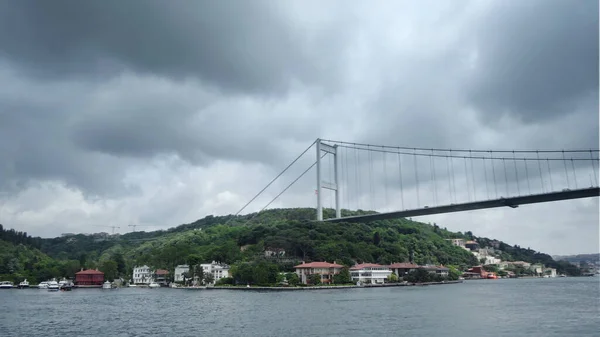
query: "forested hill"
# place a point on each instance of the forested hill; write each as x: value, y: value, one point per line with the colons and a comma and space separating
x: 244, y: 238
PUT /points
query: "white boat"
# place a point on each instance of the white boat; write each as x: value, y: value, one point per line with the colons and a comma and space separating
x: 154, y: 285
x: 6, y: 285
x: 24, y: 284
x: 53, y: 286
x: 106, y: 285
x: 43, y: 285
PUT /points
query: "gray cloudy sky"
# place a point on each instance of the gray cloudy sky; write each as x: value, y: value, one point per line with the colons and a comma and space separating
x: 162, y: 113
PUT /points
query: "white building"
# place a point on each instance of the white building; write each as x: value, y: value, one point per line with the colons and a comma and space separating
x: 218, y: 270
x: 142, y: 275
x: 179, y: 270
x: 370, y: 273
x: 325, y: 270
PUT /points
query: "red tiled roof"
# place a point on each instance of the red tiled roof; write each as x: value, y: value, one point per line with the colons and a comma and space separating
x: 319, y: 265
x: 403, y: 265
x: 161, y: 272
x: 366, y: 265
x: 89, y: 272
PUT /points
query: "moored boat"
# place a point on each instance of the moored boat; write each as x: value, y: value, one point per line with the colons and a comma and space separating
x: 153, y: 285
x: 6, y: 285
x: 106, y: 285
x: 53, y: 286
x: 24, y: 284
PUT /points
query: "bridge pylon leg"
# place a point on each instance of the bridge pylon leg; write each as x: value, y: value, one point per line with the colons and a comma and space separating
x: 335, y: 186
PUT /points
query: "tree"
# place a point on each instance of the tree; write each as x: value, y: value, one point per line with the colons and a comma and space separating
x: 292, y: 279
x: 343, y: 277
x: 209, y: 278
x: 109, y: 268
x: 376, y: 238
x: 393, y: 278
x: 314, y: 279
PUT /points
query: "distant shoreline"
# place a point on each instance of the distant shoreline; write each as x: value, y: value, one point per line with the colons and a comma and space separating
x: 242, y: 288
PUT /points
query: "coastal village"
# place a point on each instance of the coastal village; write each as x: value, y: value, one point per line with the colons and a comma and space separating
x: 311, y: 273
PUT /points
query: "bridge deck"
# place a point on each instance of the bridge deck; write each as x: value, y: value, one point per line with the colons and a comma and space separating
x: 513, y: 202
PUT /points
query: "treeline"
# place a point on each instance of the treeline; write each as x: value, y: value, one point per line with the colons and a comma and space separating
x: 16, y: 237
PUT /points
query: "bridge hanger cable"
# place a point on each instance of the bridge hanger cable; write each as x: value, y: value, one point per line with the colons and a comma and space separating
x: 574, y: 173
x: 516, y: 174
x: 385, y: 178
x: 357, y: 189
x: 417, y: 181
x: 487, y: 189
x: 541, y: 175
x: 527, y: 174
x: 401, y: 187
x: 433, y: 187
x: 505, y: 177
x: 371, y: 179
x: 473, y: 178
x: 494, y: 172
x: 449, y: 180
x: 467, y: 180
x: 272, y: 181
x: 285, y: 189
x: 346, y: 179
x: 453, y: 177
x: 427, y: 154
x: 566, y: 173
x: 455, y: 150
x: 550, y: 177
x: 594, y: 168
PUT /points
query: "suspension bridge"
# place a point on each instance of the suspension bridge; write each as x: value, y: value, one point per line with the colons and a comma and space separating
x: 421, y: 181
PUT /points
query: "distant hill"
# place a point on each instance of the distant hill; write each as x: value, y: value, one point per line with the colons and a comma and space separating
x: 577, y: 258
x: 232, y: 239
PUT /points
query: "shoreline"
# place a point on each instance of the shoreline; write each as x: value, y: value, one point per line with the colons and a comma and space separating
x: 243, y: 288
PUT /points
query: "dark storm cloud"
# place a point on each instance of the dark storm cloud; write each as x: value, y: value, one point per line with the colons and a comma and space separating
x: 535, y: 58
x: 245, y: 46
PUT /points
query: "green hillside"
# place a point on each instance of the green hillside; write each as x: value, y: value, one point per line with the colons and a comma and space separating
x: 243, y: 239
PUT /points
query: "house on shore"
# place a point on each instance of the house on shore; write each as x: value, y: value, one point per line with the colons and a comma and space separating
x: 325, y: 270
x: 179, y: 270
x: 142, y: 275
x: 218, y: 270
x: 161, y: 277
x: 402, y: 269
x: 370, y: 273
x: 89, y: 278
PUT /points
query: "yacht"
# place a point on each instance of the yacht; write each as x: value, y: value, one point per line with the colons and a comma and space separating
x: 43, y: 285
x: 53, y: 286
x: 24, y: 284
x: 153, y: 285
x: 6, y: 285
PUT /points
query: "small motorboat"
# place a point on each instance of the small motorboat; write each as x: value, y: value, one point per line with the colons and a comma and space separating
x: 6, y: 285
x: 43, y: 285
x: 24, y: 284
x: 106, y: 285
x: 53, y: 286
x: 154, y: 285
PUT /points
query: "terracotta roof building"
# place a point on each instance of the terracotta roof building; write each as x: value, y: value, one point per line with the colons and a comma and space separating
x: 401, y: 269
x: 325, y: 269
x: 89, y: 278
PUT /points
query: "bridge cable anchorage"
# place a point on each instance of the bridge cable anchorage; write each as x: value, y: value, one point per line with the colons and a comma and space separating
x: 550, y: 176
x: 494, y: 172
x: 467, y: 180
x: 284, y: 190
x: 473, y: 178
x: 541, y: 175
x: 371, y: 178
x: 455, y: 150
x: 271, y: 182
x: 574, y: 173
x: 417, y: 180
x: 401, y: 187
x: 594, y: 167
x: 385, y: 180
x: 516, y: 174
x: 505, y: 178
x: 527, y: 174
x: 566, y: 173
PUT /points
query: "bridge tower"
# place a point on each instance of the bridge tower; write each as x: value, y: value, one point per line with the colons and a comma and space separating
x: 335, y: 186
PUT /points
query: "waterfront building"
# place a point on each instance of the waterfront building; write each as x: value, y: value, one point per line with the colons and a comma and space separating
x: 160, y: 276
x: 179, y: 270
x: 89, y: 278
x: 402, y: 269
x: 324, y: 269
x: 370, y: 273
x: 142, y: 275
x: 218, y: 270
